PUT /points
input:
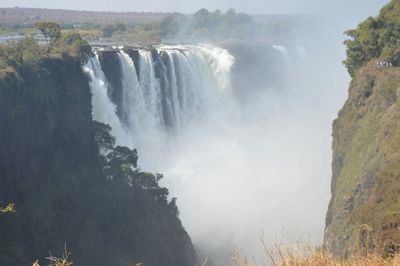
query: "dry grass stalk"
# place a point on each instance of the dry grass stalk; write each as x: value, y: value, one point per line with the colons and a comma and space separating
x: 308, y: 255
x: 54, y: 261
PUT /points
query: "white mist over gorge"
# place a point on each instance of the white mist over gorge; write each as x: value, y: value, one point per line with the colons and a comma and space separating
x: 240, y: 131
x: 242, y: 158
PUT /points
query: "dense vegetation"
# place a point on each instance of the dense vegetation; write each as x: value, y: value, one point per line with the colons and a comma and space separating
x: 62, y: 179
x: 375, y: 38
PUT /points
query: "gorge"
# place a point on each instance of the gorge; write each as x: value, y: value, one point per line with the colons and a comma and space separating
x: 202, y: 135
x: 218, y: 111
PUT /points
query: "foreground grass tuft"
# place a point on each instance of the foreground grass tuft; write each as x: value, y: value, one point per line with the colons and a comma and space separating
x: 295, y: 255
x: 56, y: 261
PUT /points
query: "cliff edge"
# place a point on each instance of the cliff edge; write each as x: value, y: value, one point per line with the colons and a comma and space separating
x: 69, y: 185
x: 364, y: 210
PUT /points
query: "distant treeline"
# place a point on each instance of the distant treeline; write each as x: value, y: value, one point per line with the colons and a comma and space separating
x: 203, y: 24
x: 208, y: 24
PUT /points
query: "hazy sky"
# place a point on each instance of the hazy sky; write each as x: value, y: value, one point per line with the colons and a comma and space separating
x: 340, y: 7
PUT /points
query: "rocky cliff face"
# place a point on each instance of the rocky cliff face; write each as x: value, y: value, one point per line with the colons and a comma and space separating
x: 364, y: 211
x: 51, y: 169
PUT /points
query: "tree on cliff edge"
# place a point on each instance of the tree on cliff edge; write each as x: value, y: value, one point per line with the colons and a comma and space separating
x: 50, y: 30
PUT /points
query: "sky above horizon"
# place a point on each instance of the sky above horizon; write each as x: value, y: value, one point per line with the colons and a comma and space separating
x: 340, y: 7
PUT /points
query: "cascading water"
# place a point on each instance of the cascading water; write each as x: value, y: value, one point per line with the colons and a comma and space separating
x: 133, y: 103
x: 164, y: 90
x: 238, y: 167
x: 103, y: 109
x: 150, y: 85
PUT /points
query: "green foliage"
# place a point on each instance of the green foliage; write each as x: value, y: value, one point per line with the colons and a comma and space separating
x: 145, y: 33
x: 10, y: 208
x: 375, y: 38
x: 50, y: 30
x: 109, y: 30
x: 203, y: 24
x: 120, y: 168
x: 120, y: 164
x: 103, y: 137
x: 73, y: 44
x: 171, y: 25
x: 28, y: 52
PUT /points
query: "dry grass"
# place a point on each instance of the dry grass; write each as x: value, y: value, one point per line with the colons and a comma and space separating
x: 292, y: 257
x: 308, y: 255
x: 55, y: 261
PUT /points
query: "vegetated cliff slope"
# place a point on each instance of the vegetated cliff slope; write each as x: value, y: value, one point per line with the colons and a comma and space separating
x: 366, y: 164
x: 65, y: 192
x: 364, y: 211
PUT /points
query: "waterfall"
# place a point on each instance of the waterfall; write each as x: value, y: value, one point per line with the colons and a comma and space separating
x: 225, y: 160
x: 104, y: 110
x: 162, y: 89
x: 133, y: 97
x: 150, y: 85
x: 160, y: 92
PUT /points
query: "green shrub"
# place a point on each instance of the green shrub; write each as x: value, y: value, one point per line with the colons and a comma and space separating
x: 375, y: 38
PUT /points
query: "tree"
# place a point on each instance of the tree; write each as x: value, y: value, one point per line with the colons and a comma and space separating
x: 24, y: 51
x: 102, y: 136
x: 108, y: 30
x: 50, y: 30
x: 230, y: 12
x: 120, y: 27
x: 77, y: 46
x: 172, y: 24
x: 202, y: 18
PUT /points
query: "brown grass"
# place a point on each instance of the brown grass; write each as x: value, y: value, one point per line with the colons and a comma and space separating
x: 292, y: 257
x: 308, y: 255
x: 55, y: 261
